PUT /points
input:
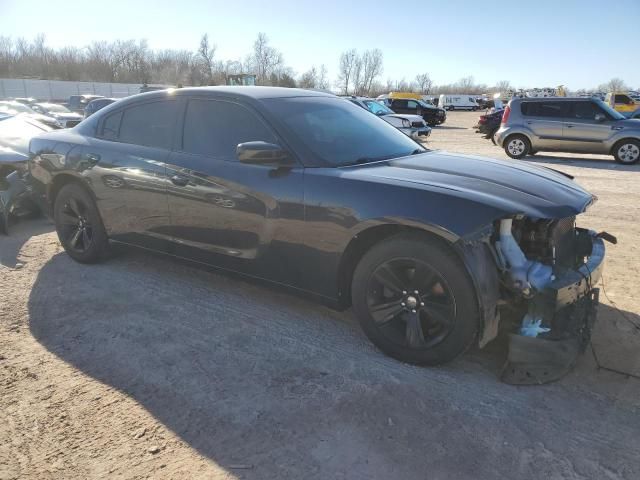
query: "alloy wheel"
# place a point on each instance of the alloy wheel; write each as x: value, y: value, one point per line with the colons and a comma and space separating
x: 516, y: 146
x: 628, y: 153
x: 76, y: 228
x: 411, y: 303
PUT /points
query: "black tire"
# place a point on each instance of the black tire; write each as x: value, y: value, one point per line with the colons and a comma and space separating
x: 446, y: 319
x: 517, y: 146
x: 627, y: 151
x: 450, y: 108
x: 79, y: 225
x: 533, y: 152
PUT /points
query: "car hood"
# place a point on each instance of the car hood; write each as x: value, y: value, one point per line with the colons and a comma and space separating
x: 66, y: 116
x: 9, y: 156
x: 512, y: 187
x: 411, y: 118
x: 629, y: 123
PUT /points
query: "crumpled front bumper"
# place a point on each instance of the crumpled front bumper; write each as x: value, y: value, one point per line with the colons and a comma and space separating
x: 568, y: 305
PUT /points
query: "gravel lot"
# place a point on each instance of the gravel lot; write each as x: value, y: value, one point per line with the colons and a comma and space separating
x: 145, y: 367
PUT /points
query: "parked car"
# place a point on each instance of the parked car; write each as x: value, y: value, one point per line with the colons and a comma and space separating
x: 413, y: 126
x: 461, y: 101
x: 94, y: 105
x: 65, y: 117
x: 12, y: 108
x: 432, y: 115
x: 576, y: 125
x: 77, y: 103
x: 489, y: 123
x: 16, y: 131
x: 622, y: 102
x: 309, y: 191
x: 26, y: 101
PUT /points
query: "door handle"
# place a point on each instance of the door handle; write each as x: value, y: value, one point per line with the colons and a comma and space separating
x: 92, y: 158
x: 179, y: 180
x: 568, y: 125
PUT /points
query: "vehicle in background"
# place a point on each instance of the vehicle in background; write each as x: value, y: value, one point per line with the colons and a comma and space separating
x: 94, y: 105
x: 16, y: 108
x: 489, y: 123
x: 65, y: 117
x: 77, y: 103
x: 16, y: 131
x: 574, y: 125
x: 26, y: 101
x: 413, y: 126
x: 306, y: 190
x: 460, y: 101
x: 635, y: 115
x: 430, y: 114
x: 622, y: 102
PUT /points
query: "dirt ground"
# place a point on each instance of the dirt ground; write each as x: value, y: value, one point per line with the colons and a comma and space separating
x: 146, y: 367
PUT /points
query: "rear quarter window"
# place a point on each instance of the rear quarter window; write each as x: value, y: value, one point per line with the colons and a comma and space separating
x: 545, y: 109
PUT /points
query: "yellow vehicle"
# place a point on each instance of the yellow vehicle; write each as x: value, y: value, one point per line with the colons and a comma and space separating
x: 622, y: 102
x: 417, y: 96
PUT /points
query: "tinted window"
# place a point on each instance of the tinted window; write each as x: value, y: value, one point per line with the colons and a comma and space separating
x: 399, y: 104
x: 545, y: 109
x: 215, y: 128
x: 585, y: 110
x: 622, y: 99
x: 111, y: 126
x: 149, y: 124
x: 337, y: 133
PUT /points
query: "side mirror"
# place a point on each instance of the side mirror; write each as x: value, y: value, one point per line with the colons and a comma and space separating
x: 262, y: 153
x: 600, y: 117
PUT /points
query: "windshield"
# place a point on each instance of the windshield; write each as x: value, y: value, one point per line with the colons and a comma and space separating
x: 54, y: 107
x: 378, y: 108
x: 610, y: 111
x: 339, y: 133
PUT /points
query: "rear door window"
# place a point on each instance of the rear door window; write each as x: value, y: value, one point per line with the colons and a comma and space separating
x: 150, y: 124
x: 545, y: 109
x: 215, y: 128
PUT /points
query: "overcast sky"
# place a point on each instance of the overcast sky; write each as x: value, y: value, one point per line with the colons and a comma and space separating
x: 578, y: 43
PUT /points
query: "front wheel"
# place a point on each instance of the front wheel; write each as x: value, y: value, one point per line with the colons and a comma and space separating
x: 415, y: 301
x: 517, y: 146
x: 627, y: 152
x: 79, y: 225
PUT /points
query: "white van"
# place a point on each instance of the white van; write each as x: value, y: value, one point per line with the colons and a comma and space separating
x: 458, y: 101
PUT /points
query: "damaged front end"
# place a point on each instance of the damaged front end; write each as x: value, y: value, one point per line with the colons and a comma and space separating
x: 15, y: 192
x: 548, y: 271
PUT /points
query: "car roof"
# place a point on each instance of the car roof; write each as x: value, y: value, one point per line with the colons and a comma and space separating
x: 552, y: 99
x: 243, y: 91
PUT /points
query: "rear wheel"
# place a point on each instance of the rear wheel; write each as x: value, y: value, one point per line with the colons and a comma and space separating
x: 79, y: 225
x: 517, y: 146
x: 627, y: 151
x: 414, y: 300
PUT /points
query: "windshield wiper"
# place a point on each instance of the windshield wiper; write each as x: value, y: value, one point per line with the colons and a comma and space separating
x: 418, y: 151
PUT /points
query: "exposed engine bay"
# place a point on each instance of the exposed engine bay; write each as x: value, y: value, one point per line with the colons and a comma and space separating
x: 548, y: 269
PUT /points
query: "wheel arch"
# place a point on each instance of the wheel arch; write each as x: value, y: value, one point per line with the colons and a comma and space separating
x: 59, y: 181
x: 616, y: 143
x: 364, y: 240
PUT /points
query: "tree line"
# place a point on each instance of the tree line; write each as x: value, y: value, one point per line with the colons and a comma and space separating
x: 132, y: 61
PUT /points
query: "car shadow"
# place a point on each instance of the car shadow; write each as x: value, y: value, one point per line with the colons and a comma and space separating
x: 246, y: 374
x: 19, y: 234
x: 603, y: 163
x: 448, y: 127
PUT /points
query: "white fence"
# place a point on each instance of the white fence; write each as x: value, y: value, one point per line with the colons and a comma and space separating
x: 61, y: 90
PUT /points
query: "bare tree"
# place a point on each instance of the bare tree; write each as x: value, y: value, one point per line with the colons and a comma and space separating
x: 348, y: 61
x: 266, y: 60
x: 323, y: 79
x: 206, y: 51
x: 614, y: 85
x: 309, y: 79
x: 371, y: 63
x: 424, y: 83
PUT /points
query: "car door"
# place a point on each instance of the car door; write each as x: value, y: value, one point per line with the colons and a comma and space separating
x: 587, y: 127
x: 224, y: 212
x: 126, y: 161
x: 545, y: 119
x: 400, y: 106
